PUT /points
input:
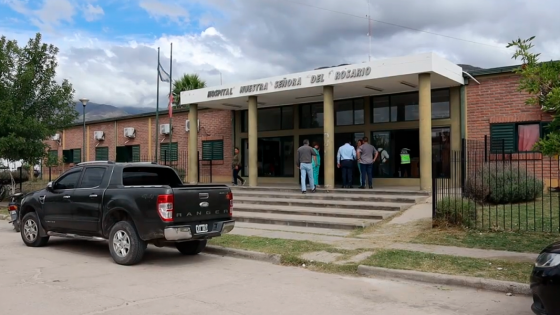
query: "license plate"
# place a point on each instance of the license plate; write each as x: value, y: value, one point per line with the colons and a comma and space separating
x: 202, y: 228
x: 13, y: 215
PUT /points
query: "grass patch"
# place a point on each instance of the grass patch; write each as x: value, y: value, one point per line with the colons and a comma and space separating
x: 290, y: 250
x: 540, y: 215
x: 451, y: 265
x: 525, y: 242
x: 3, y: 210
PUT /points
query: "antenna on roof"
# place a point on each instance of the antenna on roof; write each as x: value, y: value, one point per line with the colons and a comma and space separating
x: 369, y: 30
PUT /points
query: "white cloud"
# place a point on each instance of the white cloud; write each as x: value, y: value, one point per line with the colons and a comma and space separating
x: 162, y: 10
x: 92, y: 12
x: 49, y: 15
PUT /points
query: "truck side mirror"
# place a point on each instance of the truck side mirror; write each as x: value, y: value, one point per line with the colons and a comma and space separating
x: 50, y: 186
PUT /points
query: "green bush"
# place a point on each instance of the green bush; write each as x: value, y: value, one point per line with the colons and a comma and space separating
x: 454, y: 211
x: 502, y: 183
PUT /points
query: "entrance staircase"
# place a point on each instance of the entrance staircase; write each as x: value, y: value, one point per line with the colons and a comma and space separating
x: 336, y: 212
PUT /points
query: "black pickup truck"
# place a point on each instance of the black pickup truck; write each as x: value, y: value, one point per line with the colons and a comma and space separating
x: 130, y: 205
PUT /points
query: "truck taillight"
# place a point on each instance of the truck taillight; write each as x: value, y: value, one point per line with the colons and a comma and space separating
x: 165, y: 207
x: 12, y: 208
x: 229, y: 197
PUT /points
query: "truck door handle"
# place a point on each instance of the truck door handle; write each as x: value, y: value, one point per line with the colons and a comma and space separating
x: 66, y: 197
x: 93, y: 196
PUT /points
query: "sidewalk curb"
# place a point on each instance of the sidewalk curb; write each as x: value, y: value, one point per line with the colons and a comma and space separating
x: 240, y: 253
x: 471, y: 282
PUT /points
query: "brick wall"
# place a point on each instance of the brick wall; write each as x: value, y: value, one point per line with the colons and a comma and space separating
x: 214, y: 125
x: 497, y: 100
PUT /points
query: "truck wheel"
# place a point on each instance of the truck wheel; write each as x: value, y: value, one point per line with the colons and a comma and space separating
x: 126, y: 247
x: 191, y: 248
x: 30, y: 231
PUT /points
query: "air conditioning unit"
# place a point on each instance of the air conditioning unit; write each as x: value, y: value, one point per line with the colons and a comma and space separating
x: 99, y: 135
x: 188, y: 125
x: 56, y: 137
x: 130, y: 133
x: 164, y: 129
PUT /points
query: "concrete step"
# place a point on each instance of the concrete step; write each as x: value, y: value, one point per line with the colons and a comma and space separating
x: 301, y: 220
x: 326, y: 196
x: 287, y: 228
x: 383, y: 191
x: 339, y: 204
x: 312, y: 211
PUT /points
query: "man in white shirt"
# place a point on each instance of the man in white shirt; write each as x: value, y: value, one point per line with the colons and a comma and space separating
x: 345, y: 161
x: 384, y: 162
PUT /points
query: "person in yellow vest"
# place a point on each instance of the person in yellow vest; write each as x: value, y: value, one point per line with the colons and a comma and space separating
x: 405, y: 163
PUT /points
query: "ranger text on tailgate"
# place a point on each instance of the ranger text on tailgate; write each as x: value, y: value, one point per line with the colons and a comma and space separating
x: 129, y: 204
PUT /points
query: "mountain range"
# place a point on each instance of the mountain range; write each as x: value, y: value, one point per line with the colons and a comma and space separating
x: 95, y: 111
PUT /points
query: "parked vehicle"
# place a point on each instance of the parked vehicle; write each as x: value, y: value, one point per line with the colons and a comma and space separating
x: 130, y: 205
x: 545, y: 281
x: 13, y: 208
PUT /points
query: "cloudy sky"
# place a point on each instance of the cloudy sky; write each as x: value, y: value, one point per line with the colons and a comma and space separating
x: 108, y: 48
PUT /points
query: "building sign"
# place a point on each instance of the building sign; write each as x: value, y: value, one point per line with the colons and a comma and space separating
x: 317, y: 78
x: 284, y: 83
x: 355, y: 73
x: 254, y: 88
x: 222, y: 92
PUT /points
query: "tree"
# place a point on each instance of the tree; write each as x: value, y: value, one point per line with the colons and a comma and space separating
x: 541, y: 80
x: 33, y: 106
x: 186, y: 83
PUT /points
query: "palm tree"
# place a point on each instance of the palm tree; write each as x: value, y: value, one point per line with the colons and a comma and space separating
x: 186, y: 83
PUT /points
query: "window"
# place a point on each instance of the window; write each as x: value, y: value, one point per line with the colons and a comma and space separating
x: 169, y: 153
x: 102, y: 154
x: 516, y: 137
x: 404, y: 107
x: 349, y: 112
x: 311, y: 115
x: 93, y: 176
x: 127, y: 153
x: 275, y: 156
x: 68, y: 180
x: 148, y: 176
x: 213, y: 150
x: 270, y: 119
x: 72, y: 156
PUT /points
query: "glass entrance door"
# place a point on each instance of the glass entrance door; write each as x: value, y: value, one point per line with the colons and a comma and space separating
x: 384, y: 166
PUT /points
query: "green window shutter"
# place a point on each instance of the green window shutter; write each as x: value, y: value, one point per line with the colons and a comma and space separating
x: 502, y: 138
x: 122, y: 155
x: 169, y: 154
x: 76, y: 155
x: 67, y: 156
x: 213, y: 150
x: 102, y: 154
x: 136, y: 153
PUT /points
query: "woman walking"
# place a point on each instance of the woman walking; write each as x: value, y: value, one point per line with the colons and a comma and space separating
x: 316, y: 163
x: 236, y: 165
x: 360, y: 142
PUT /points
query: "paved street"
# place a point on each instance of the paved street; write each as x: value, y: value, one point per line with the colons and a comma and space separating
x: 79, y: 278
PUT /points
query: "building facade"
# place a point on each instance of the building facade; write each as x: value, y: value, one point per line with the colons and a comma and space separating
x: 423, y: 103
x: 132, y: 139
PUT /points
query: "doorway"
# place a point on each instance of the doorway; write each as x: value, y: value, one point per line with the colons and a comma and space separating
x: 339, y: 140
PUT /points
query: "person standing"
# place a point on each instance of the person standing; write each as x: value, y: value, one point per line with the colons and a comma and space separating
x: 236, y: 166
x: 358, y: 145
x: 316, y: 163
x: 305, y: 155
x: 405, y: 162
x: 367, y: 154
x: 384, y: 162
x: 345, y: 160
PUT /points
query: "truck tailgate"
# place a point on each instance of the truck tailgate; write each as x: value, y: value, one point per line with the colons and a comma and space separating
x: 201, y: 203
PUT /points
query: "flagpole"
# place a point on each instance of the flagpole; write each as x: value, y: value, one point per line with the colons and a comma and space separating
x: 170, y: 106
x: 157, y: 109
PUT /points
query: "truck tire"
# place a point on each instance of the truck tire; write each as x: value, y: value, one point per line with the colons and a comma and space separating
x: 126, y: 247
x: 191, y: 248
x: 30, y: 231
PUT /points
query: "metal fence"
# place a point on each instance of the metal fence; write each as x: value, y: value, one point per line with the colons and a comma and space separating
x: 485, y: 187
